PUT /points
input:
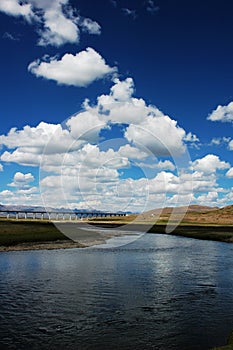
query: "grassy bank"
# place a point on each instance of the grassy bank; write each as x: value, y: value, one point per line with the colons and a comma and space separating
x: 14, y: 232
x: 37, y: 234
x: 204, y: 232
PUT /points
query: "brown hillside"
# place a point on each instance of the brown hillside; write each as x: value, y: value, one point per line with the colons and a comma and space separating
x: 194, y: 214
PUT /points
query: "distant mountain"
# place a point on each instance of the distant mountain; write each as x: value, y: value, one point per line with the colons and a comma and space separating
x: 22, y: 208
x: 32, y: 209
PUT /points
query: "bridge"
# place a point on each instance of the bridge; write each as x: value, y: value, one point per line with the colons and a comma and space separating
x: 55, y: 215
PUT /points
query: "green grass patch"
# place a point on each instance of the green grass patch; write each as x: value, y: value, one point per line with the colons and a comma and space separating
x: 14, y: 232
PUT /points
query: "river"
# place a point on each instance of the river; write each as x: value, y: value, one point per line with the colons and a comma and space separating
x: 157, y: 292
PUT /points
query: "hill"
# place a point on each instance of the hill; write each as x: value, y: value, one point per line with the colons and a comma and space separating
x: 193, y: 214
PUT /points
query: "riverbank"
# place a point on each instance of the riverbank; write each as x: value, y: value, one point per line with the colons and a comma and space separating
x: 33, y: 235
x: 222, y: 233
x: 38, y: 234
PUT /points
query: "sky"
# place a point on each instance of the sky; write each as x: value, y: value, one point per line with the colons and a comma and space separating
x: 117, y: 105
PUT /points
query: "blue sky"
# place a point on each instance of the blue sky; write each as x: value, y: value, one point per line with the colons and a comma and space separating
x: 118, y: 105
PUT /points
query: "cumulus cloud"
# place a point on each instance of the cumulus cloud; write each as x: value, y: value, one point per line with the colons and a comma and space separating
x: 132, y: 152
x: 160, y: 135
x: 89, y: 26
x: 210, y: 198
x: 209, y: 164
x: 17, y: 8
x: 34, y: 139
x: 148, y: 126
x: 82, y: 166
x: 222, y: 113
x: 122, y: 90
x: 21, y: 156
x: 86, y: 125
x: 76, y: 70
x: 164, y: 165
x: 57, y: 21
x: 31, y: 143
x: 95, y: 189
x: 58, y: 27
x: 22, y: 180
x: 148, y: 129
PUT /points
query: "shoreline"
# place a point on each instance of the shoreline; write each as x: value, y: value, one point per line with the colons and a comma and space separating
x: 43, y: 235
x: 212, y: 232
x: 47, y: 245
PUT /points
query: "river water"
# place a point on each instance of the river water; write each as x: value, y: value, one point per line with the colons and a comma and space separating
x: 158, y: 292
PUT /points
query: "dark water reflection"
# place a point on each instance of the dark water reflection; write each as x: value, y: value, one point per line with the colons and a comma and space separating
x: 159, y: 292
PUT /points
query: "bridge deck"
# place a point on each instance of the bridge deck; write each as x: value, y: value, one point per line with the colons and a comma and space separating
x: 58, y: 215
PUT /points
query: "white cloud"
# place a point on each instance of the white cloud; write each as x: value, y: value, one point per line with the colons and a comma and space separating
x: 34, y: 139
x: 59, y: 28
x: 148, y: 126
x: 209, y: 164
x: 191, y: 138
x: 230, y: 173
x: 10, y: 36
x: 57, y: 21
x: 161, y: 165
x: 31, y: 143
x: 210, y: 198
x: 122, y: 90
x: 1, y: 167
x: 22, y: 180
x: 31, y: 137
x: 86, y: 125
x: 132, y: 152
x: 129, y: 12
x: 76, y: 171
x: 66, y: 150
x: 151, y: 7
x: 164, y: 165
x: 6, y: 194
x: 17, y: 8
x: 89, y: 26
x: 160, y: 135
x: 230, y: 145
x: 217, y: 141
x: 77, y: 70
x: 22, y: 157
x: 222, y: 113
x: 29, y: 196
